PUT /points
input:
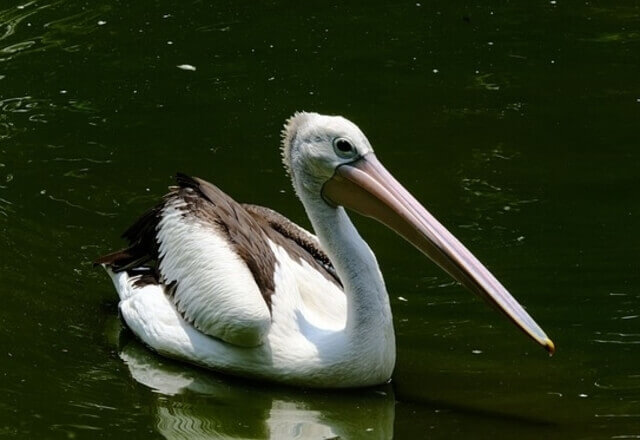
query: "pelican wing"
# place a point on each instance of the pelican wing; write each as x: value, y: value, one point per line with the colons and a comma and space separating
x: 214, y: 258
x: 211, y: 257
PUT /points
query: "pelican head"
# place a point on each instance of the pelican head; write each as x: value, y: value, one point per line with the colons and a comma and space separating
x: 330, y: 159
x: 315, y: 145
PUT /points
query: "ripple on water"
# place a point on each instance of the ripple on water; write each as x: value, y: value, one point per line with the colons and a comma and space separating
x: 12, y: 19
x: 618, y: 338
x: 5, y: 207
x: 487, y: 197
x: 619, y: 382
x: 18, y: 114
x: 43, y: 31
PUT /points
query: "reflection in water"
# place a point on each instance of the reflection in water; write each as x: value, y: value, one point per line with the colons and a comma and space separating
x: 230, y: 408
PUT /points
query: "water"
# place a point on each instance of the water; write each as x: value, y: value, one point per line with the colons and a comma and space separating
x: 515, y: 124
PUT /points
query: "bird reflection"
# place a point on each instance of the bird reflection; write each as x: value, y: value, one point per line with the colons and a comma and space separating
x: 199, y: 404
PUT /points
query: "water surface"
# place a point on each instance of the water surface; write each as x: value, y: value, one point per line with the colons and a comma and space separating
x: 516, y: 125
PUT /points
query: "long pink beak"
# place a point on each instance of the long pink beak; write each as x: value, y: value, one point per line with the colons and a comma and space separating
x: 369, y: 189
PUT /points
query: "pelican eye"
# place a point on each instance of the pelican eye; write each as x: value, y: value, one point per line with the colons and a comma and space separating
x: 344, y: 148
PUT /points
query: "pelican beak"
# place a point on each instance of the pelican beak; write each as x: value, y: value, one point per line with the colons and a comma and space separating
x: 366, y: 187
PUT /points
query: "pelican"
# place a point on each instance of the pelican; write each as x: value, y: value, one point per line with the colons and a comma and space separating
x: 242, y: 290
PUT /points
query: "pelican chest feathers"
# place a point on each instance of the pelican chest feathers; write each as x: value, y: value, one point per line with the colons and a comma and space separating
x: 240, y: 289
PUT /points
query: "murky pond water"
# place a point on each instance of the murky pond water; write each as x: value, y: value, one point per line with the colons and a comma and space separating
x: 516, y: 124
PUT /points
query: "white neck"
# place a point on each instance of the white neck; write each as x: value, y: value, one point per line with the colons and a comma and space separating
x: 368, y: 310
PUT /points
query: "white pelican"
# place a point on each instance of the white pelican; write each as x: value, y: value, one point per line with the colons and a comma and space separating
x: 242, y: 290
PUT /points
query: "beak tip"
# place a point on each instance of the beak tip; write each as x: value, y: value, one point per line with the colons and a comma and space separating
x: 549, y: 346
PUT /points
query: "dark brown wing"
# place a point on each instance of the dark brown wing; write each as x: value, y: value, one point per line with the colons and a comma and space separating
x: 299, y: 243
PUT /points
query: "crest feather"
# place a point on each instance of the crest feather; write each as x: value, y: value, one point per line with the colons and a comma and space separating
x: 288, y: 135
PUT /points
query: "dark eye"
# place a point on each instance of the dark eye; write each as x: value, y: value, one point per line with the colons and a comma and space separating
x: 343, y: 147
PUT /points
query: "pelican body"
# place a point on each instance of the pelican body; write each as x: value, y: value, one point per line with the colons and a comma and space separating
x: 242, y: 290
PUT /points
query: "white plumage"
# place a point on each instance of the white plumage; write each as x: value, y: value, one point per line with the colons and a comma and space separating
x: 213, y: 286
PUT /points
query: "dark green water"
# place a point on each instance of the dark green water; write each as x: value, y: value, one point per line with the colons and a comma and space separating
x: 516, y: 124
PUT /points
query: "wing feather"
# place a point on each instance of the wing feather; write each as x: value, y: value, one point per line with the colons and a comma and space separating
x: 214, y: 288
x: 213, y: 257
